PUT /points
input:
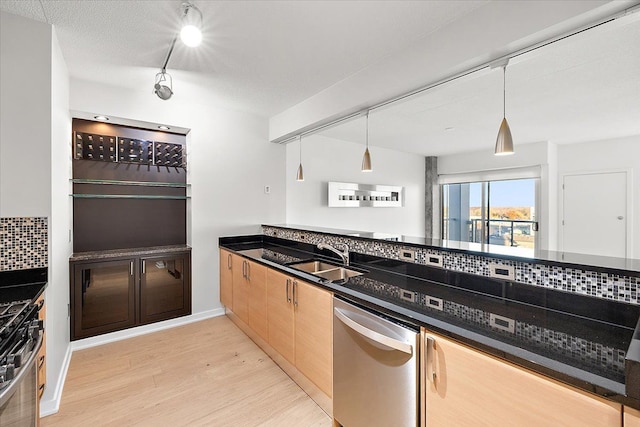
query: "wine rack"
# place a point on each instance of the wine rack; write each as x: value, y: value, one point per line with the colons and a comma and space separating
x: 135, y: 151
x: 105, y: 148
x: 95, y: 147
x: 168, y: 154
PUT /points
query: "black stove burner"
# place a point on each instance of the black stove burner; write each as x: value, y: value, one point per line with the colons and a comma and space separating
x: 11, y: 314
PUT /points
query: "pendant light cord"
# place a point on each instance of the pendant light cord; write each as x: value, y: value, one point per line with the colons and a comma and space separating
x: 504, y: 91
x: 300, y: 140
x: 367, y: 140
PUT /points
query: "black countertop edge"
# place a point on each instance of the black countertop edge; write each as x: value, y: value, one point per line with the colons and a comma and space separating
x: 23, y: 277
x: 582, y: 261
x: 552, y: 368
x: 119, y: 253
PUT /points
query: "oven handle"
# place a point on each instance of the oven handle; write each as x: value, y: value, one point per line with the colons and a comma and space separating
x: 373, y: 335
x: 24, y: 369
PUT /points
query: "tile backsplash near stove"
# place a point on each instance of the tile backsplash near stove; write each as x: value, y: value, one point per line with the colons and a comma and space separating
x: 594, y: 283
x: 23, y: 243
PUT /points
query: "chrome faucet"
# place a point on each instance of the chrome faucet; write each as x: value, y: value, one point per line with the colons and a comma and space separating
x: 344, y: 254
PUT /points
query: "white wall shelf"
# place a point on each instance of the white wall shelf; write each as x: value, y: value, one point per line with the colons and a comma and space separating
x: 352, y: 195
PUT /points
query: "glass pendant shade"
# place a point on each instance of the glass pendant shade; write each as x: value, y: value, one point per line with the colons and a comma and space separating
x: 504, y: 141
x: 366, y: 161
x: 300, y: 173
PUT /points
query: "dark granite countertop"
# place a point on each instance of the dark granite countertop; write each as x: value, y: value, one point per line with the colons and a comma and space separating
x: 583, y: 341
x: 133, y: 252
x: 625, y: 265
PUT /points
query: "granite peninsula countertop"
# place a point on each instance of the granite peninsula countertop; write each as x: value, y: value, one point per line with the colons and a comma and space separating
x: 120, y: 253
x: 580, y: 340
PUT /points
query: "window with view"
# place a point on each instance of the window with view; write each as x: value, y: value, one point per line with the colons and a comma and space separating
x: 500, y: 212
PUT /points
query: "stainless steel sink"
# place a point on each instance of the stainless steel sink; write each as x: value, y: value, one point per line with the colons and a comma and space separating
x: 326, y: 270
x: 313, y: 266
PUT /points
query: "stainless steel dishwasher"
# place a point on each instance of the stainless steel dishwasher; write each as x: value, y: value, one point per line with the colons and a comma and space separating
x: 375, y: 369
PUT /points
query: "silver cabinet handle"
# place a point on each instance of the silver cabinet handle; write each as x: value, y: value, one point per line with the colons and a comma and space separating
x: 144, y: 267
x: 229, y: 262
x: 131, y: 268
x: 244, y: 269
x: 431, y: 349
x: 386, y: 341
x: 287, y: 290
x: 295, y: 297
x: 248, y: 271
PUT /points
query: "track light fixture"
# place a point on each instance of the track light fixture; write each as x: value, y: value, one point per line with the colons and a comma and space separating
x: 190, y: 35
x: 300, y: 173
x: 366, y: 159
x: 504, y: 141
x: 164, y: 85
x: 191, y: 31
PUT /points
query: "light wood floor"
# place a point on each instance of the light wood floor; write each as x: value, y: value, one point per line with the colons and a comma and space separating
x: 203, y: 374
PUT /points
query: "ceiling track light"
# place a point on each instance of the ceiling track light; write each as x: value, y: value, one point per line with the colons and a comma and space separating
x: 366, y: 159
x: 300, y: 173
x: 190, y: 35
x: 191, y: 31
x: 504, y: 141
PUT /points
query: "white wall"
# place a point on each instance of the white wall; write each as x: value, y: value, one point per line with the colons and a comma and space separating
x: 25, y: 116
x: 326, y: 159
x: 621, y: 154
x: 35, y: 152
x: 57, y: 294
x: 230, y: 160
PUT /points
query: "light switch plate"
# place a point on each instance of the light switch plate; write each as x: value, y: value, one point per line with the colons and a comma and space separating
x: 502, y: 271
x: 434, y: 260
x: 407, y: 255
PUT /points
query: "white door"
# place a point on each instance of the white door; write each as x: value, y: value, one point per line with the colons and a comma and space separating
x: 595, y: 210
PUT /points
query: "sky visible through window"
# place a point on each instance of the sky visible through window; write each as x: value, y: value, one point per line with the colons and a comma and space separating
x: 516, y: 193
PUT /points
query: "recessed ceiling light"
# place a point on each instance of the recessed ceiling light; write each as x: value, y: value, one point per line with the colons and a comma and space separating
x: 163, y: 127
x: 101, y: 118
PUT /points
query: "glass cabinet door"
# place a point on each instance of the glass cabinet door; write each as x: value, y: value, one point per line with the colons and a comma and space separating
x: 104, y: 297
x: 164, y: 288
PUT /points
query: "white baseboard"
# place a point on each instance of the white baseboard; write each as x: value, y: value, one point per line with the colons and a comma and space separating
x: 143, y: 330
x: 51, y: 406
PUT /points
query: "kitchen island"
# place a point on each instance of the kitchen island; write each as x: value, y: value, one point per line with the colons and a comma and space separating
x: 588, y: 343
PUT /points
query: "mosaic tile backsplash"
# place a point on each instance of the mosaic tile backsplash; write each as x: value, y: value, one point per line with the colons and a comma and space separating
x: 23, y: 243
x: 585, y: 282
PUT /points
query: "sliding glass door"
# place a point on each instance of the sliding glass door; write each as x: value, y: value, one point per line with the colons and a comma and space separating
x: 500, y: 212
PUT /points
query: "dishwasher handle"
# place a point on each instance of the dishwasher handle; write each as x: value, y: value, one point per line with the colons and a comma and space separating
x: 373, y: 335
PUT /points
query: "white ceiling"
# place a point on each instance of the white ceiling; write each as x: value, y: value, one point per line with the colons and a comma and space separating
x: 257, y: 56
x: 582, y: 88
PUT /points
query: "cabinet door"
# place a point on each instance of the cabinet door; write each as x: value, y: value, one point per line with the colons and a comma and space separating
x: 226, y: 279
x: 472, y: 388
x: 280, y: 314
x: 165, y: 287
x: 631, y: 417
x: 240, y: 288
x: 314, y: 334
x: 42, y: 353
x: 257, y: 280
x: 103, y: 296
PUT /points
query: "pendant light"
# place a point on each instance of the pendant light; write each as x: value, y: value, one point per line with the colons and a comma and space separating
x: 300, y: 174
x: 504, y: 141
x: 366, y: 159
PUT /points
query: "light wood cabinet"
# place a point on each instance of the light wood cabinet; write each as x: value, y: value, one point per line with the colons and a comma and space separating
x: 314, y: 334
x: 226, y: 278
x: 240, y: 289
x: 463, y: 386
x: 280, y: 314
x: 42, y: 353
x: 249, y: 294
x: 631, y: 417
x: 301, y: 327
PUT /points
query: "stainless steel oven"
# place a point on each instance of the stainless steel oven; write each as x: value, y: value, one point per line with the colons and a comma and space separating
x: 375, y: 369
x: 20, y: 340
